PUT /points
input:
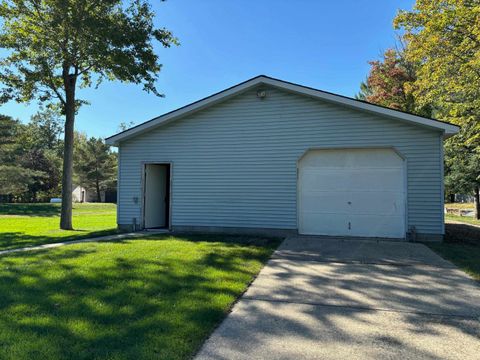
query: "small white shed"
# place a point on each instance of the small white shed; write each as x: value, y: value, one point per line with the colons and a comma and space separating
x: 81, y: 195
x: 271, y: 156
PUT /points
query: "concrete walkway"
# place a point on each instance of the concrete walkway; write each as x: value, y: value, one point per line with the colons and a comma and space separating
x: 94, y: 239
x: 342, y: 299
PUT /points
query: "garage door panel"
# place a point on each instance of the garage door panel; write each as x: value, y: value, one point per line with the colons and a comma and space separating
x: 355, y: 179
x: 389, y: 203
x: 376, y: 226
x: 313, y: 180
x: 354, y: 225
x: 351, y: 158
x: 330, y: 224
x: 356, y: 192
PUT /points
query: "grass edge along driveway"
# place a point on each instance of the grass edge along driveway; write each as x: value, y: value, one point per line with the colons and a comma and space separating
x: 152, y: 298
x: 461, y: 245
x: 465, y: 256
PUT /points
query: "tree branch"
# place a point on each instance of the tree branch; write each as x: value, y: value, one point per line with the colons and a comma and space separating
x: 84, y: 70
x: 461, y: 33
x: 51, y: 83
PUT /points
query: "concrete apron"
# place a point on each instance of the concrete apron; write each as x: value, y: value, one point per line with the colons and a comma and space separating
x: 340, y: 299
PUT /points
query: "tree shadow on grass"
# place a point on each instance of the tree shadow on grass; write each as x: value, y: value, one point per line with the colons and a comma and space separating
x: 462, y: 234
x: 43, y: 210
x: 15, y: 240
x: 142, y: 303
x: 256, y: 240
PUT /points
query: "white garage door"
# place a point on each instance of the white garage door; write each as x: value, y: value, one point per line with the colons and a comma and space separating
x: 352, y: 192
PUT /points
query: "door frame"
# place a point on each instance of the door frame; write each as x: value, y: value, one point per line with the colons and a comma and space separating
x: 169, y: 189
x: 373, y: 147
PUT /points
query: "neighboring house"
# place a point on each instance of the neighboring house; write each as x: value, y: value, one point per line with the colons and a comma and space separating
x: 271, y: 156
x: 463, y: 198
x: 81, y: 194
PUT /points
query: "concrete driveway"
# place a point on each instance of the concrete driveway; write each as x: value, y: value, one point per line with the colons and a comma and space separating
x: 343, y: 299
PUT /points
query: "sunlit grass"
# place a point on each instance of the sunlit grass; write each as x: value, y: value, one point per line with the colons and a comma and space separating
x: 466, y: 206
x: 34, y: 224
x: 152, y: 298
x: 463, y: 219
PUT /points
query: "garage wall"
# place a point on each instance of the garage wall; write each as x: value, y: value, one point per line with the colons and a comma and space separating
x: 234, y: 164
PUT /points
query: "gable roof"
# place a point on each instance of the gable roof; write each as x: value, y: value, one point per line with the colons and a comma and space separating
x: 447, y: 128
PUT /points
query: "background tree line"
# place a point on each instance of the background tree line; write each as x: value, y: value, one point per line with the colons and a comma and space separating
x: 52, y: 48
x: 31, y: 157
x: 435, y: 72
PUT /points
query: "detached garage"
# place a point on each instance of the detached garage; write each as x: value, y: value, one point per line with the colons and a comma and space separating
x: 271, y: 156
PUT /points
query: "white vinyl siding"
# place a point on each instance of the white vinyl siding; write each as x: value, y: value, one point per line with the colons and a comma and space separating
x: 235, y: 164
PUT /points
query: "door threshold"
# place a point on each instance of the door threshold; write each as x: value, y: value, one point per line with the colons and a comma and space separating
x: 157, y: 230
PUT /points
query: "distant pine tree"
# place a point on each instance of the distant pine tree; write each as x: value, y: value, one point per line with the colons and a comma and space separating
x: 15, y: 178
x: 95, y: 165
x: 364, y: 92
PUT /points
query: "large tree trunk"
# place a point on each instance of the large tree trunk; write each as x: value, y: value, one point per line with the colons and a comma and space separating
x: 66, y: 214
x: 452, y: 198
x: 476, y: 200
x: 99, y: 197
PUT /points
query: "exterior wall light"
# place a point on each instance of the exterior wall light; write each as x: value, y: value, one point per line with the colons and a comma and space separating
x: 261, y: 94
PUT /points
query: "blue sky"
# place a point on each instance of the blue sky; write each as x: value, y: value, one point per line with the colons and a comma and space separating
x: 317, y: 43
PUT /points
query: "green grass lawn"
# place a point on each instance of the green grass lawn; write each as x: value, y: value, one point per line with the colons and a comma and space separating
x: 152, y: 298
x: 463, y: 219
x: 35, y: 224
x: 465, y: 256
x: 466, y: 206
x: 457, y: 248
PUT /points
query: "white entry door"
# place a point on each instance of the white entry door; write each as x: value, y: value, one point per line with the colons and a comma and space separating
x: 352, y: 192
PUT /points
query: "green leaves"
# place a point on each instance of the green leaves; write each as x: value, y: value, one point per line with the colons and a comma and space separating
x: 55, y: 45
x: 95, y: 165
x: 443, y: 37
x: 16, y: 179
x: 49, y: 40
x: 388, y: 82
x: 30, y: 157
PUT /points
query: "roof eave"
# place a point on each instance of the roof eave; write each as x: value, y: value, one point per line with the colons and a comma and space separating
x: 448, y: 129
x: 184, y: 111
